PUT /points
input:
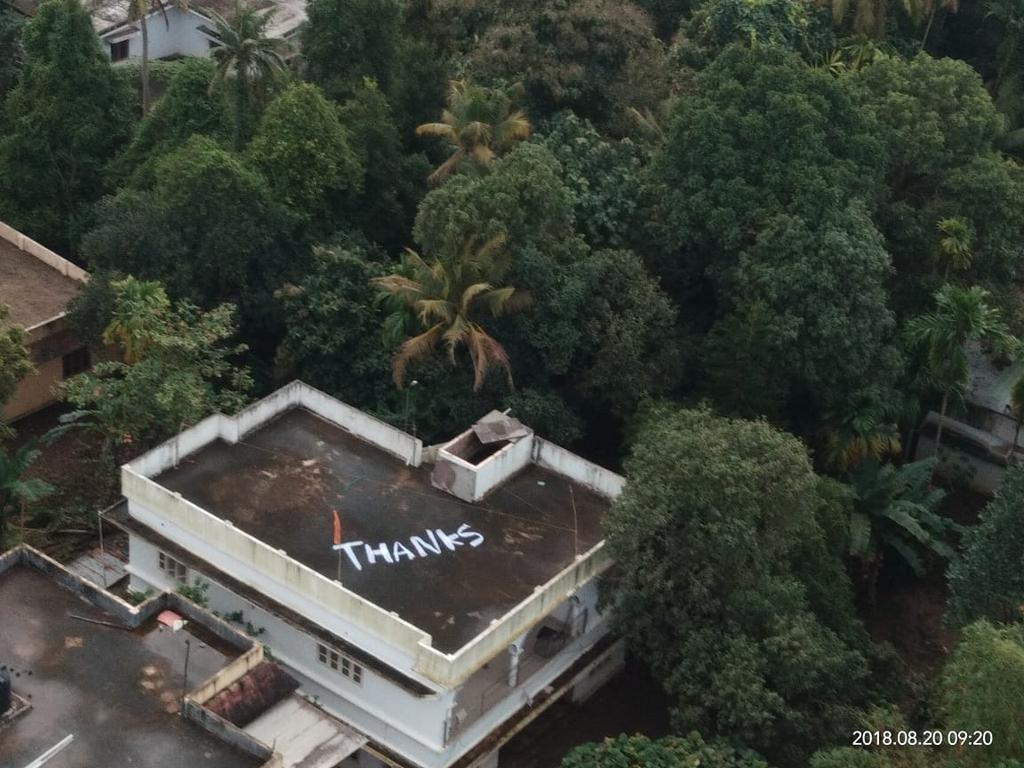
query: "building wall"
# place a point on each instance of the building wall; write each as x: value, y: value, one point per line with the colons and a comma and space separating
x: 35, y: 391
x: 178, y: 36
x: 404, y: 723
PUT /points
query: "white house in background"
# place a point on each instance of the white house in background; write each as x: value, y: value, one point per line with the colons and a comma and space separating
x: 176, y: 33
x: 435, y: 600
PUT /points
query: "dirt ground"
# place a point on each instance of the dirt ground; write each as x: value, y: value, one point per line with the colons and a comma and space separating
x: 64, y: 523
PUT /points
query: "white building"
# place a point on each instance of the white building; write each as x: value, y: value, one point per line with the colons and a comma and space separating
x: 173, y: 32
x: 460, y: 601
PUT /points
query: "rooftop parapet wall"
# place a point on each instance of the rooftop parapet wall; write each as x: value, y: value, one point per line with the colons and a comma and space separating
x: 297, y: 394
x: 26, y: 244
x: 452, y: 670
x: 562, y: 462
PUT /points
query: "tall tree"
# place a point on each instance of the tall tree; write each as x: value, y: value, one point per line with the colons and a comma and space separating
x: 305, y: 154
x: 670, y: 752
x: 961, y: 315
x: 447, y: 296
x: 63, y: 122
x: 11, y: 53
x: 140, y: 307
x: 987, y: 582
x: 346, y: 41
x: 16, y: 488
x: 713, y: 536
x: 478, y: 123
x: 245, y: 54
x: 139, y: 12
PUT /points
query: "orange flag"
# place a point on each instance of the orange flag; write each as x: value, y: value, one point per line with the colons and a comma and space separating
x: 337, y: 528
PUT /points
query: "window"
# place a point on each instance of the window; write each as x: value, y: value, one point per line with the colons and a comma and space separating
x: 339, y: 662
x: 173, y: 568
x: 119, y: 51
x: 76, y: 362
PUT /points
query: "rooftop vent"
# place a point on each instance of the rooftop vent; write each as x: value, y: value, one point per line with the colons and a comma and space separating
x: 483, y: 457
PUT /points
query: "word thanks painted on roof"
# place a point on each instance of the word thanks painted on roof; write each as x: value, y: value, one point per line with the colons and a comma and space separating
x: 434, y: 542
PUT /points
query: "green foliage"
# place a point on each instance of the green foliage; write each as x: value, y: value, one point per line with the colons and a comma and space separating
x: 11, y: 53
x: 196, y: 592
x: 794, y: 25
x: 603, y: 176
x: 982, y: 688
x: 392, y: 181
x: 547, y: 414
x: 304, y: 152
x: 15, y: 488
x: 209, y: 228
x: 708, y: 534
x: 64, y: 120
x: 822, y: 290
x: 595, y: 57
x: 939, y: 126
x: 671, y: 752
x: 988, y: 581
x: 345, y: 41
x: 247, y: 58
x: 881, y: 719
x: 183, y: 370
x: 15, y: 362
x: 764, y: 135
x: 894, y: 511
x: 333, y: 323
x: 188, y: 107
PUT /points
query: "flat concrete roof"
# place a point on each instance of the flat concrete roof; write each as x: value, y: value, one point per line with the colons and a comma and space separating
x: 31, y: 289
x: 116, y: 691
x: 282, y: 481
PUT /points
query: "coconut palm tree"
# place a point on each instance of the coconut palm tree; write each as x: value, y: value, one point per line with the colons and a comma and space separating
x: 446, y: 297
x: 15, y: 488
x: 479, y: 123
x: 245, y: 53
x: 954, y: 250
x: 139, y: 308
x: 894, y: 510
x: 961, y: 315
x: 139, y: 11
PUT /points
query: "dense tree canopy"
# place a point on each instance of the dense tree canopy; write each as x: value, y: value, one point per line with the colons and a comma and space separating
x: 671, y: 752
x: 60, y: 124
x: 15, y: 362
x: 722, y: 510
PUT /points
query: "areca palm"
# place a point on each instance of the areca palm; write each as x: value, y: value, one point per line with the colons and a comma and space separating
x: 244, y: 52
x: 15, y: 488
x: 961, y: 315
x: 479, y: 123
x: 139, y: 10
x: 954, y: 249
x: 446, y: 298
x: 894, y: 510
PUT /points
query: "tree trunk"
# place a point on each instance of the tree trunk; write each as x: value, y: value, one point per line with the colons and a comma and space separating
x: 241, y: 110
x: 942, y: 420
x: 145, y: 65
x: 928, y: 29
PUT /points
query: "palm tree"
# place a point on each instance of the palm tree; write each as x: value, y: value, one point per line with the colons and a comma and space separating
x: 868, y: 15
x: 894, y: 509
x: 15, y: 488
x: 446, y: 296
x: 139, y: 10
x: 139, y: 308
x: 245, y: 53
x: 864, y: 430
x: 961, y: 315
x: 954, y: 250
x: 479, y: 123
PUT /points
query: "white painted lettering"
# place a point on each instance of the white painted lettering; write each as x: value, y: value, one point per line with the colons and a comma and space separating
x: 399, y: 550
x: 422, y: 547
x: 348, y: 546
x: 475, y: 538
x: 449, y: 541
x: 382, y: 550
